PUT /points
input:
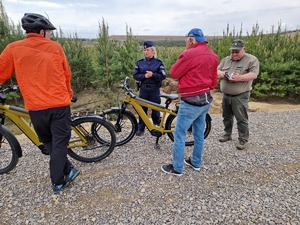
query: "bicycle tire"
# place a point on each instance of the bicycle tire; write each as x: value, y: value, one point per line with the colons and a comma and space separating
x: 207, y: 125
x: 10, y: 150
x: 93, y: 150
x: 170, y: 125
x: 126, y: 128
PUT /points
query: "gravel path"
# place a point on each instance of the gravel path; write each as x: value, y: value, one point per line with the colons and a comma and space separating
x: 257, y: 186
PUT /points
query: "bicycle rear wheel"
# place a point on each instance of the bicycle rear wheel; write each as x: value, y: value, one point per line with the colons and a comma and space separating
x: 10, y: 150
x: 84, y: 146
x: 171, y: 122
x: 125, y: 124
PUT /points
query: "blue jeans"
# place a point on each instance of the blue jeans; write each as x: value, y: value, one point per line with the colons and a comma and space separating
x: 189, y: 115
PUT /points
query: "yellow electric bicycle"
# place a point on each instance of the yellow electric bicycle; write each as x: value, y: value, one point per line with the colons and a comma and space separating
x: 125, y: 122
x: 87, y: 144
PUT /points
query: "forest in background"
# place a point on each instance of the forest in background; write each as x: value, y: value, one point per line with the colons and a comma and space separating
x: 101, y: 65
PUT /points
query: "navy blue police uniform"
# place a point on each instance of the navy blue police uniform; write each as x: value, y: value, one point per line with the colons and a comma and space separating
x: 149, y: 87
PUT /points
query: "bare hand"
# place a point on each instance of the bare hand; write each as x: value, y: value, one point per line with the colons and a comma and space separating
x: 148, y: 74
x: 221, y: 74
x: 236, y: 77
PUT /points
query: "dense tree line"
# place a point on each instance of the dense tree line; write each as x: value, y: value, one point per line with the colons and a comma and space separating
x: 104, y: 64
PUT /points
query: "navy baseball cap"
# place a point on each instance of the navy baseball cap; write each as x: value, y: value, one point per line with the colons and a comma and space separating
x: 148, y: 44
x: 197, y: 34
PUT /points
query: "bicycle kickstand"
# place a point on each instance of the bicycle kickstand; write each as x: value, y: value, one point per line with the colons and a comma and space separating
x: 157, y: 146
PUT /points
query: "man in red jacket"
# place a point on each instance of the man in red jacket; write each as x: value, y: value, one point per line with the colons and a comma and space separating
x: 43, y: 75
x: 196, y: 72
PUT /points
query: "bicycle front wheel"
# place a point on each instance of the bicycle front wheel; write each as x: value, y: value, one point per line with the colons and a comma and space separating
x: 84, y: 145
x: 171, y: 122
x: 10, y: 150
x: 125, y: 124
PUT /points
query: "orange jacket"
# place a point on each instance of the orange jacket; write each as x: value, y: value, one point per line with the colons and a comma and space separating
x: 42, y: 71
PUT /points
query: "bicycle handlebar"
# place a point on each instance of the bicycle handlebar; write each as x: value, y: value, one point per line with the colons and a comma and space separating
x: 3, y: 92
x: 126, y: 87
x: 11, y: 88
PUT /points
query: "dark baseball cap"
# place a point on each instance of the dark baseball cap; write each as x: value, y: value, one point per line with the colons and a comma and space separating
x: 237, y: 44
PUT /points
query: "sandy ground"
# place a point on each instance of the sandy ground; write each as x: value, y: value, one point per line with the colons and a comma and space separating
x: 255, y: 106
x: 170, y: 86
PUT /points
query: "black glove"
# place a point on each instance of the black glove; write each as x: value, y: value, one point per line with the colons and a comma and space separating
x: 74, y: 99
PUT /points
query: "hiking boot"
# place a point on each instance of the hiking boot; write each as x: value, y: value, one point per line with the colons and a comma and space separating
x: 225, y: 138
x: 189, y: 163
x: 72, y: 175
x: 139, y: 133
x: 241, y: 145
x: 57, y: 188
x: 169, y: 169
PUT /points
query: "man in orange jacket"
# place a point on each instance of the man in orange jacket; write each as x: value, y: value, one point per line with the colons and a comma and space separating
x: 43, y: 75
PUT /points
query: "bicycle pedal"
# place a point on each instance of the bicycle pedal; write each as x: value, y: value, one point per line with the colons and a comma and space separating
x: 156, y: 133
x: 45, y: 152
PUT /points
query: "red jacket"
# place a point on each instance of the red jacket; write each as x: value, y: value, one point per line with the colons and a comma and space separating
x: 42, y: 71
x: 196, y: 70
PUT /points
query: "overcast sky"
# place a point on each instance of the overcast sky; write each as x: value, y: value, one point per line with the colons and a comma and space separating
x: 159, y: 17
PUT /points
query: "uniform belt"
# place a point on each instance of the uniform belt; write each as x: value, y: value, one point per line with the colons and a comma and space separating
x: 235, y: 95
x: 150, y: 85
x: 232, y: 95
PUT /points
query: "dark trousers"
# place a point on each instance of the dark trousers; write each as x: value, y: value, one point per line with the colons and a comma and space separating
x: 153, y: 95
x: 53, y: 127
x: 236, y: 106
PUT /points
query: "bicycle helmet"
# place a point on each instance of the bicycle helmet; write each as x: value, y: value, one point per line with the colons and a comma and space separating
x: 33, y: 21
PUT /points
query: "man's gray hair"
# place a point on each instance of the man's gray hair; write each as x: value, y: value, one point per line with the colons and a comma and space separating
x: 194, y: 40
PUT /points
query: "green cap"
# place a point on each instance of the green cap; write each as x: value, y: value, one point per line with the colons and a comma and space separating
x: 237, y: 44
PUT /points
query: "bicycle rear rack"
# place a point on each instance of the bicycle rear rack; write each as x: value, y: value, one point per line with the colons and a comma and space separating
x: 86, y: 113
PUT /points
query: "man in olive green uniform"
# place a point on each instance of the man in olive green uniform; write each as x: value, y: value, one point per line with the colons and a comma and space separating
x: 237, y: 72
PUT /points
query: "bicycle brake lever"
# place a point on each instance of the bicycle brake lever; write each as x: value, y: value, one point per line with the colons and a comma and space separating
x: 15, y: 87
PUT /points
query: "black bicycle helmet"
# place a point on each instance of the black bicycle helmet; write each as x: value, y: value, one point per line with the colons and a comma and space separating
x: 33, y: 21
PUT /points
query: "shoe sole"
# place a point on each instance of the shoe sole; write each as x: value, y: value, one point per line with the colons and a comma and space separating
x: 195, y: 168
x: 225, y: 140
x: 240, y: 148
x: 58, y: 191
x: 175, y: 174
x: 67, y: 183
